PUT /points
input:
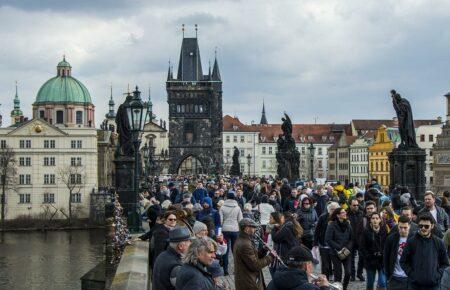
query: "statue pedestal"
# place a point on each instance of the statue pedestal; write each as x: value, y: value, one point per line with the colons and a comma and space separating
x: 407, y: 168
x: 288, y: 164
x: 124, y: 176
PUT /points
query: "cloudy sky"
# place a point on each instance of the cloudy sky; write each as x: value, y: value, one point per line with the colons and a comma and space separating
x: 325, y: 59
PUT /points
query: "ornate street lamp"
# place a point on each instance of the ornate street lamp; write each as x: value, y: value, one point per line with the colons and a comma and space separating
x: 249, y: 162
x: 311, y: 160
x: 137, y: 113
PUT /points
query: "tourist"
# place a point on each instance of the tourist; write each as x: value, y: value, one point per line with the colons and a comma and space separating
x: 168, y: 263
x: 321, y: 197
x: 371, y: 249
x: 291, y: 203
x: 248, y: 211
x: 247, y: 262
x: 355, y: 217
x: 241, y: 200
x: 393, y: 250
x: 230, y: 215
x: 424, y: 257
x: 209, y: 216
x: 174, y: 192
x: 340, y: 239
x: 296, y: 276
x: 199, y: 193
x: 160, y: 236
x: 438, y: 213
x: 265, y: 209
x: 193, y: 275
x: 275, y: 200
x: 200, y: 230
x: 446, y: 202
x: 319, y: 239
x: 307, y: 217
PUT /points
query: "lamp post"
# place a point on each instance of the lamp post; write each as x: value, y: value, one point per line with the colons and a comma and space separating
x: 311, y: 160
x: 249, y: 162
x: 136, y: 117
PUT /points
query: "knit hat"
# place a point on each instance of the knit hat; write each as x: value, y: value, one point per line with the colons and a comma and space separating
x: 208, y: 201
x: 198, y: 227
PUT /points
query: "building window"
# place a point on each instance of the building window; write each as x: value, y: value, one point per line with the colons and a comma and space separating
x: 319, y: 164
x: 228, y: 153
x: 49, y: 144
x: 264, y: 164
x: 24, y: 179
x: 76, y: 197
x: 75, y: 161
x: 242, y: 139
x: 430, y: 138
x: 79, y: 117
x: 422, y: 138
x: 76, y: 144
x: 49, y: 198
x: 242, y: 168
x: 270, y: 150
x: 25, y: 144
x: 42, y: 114
x: 303, y: 150
x: 24, y: 198
x: 319, y: 151
x: 25, y: 161
x: 332, y: 167
x: 263, y: 150
x: 49, y: 179
x: 49, y: 161
x: 242, y: 151
x: 227, y: 139
x: 3, y: 144
x: 234, y: 138
x: 75, y: 178
x: 431, y: 179
x: 59, y: 117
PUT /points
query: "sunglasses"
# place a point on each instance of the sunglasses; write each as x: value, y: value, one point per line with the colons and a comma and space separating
x: 424, y: 226
x: 172, y: 220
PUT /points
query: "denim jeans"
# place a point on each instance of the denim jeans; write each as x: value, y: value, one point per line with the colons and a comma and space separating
x: 371, y: 278
x: 231, y: 239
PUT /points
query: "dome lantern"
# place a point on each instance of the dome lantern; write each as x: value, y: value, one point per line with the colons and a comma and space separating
x: 63, y: 68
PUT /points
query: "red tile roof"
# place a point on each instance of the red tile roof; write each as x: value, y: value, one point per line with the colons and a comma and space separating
x: 375, y: 124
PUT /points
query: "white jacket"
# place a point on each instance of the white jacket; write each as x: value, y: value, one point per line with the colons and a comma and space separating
x: 230, y: 215
x: 265, y: 209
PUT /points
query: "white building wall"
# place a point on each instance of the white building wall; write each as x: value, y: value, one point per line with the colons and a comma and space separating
x: 246, y: 142
x: 425, y: 138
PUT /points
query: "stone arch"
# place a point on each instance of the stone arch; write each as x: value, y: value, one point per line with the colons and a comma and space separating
x: 190, y: 165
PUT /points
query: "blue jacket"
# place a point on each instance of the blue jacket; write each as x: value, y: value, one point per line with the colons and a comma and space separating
x: 199, y: 195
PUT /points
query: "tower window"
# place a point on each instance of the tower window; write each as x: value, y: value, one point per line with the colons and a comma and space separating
x: 59, y: 117
x: 178, y: 109
x: 79, y: 117
x: 41, y: 114
x: 189, y: 135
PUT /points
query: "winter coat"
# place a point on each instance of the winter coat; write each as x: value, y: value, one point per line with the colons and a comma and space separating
x: 424, y: 260
x: 372, y: 247
x: 391, y: 251
x: 339, y: 235
x: 321, y: 228
x: 355, y: 219
x: 445, y: 281
x: 194, y: 277
x: 247, y: 265
x: 199, y: 195
x: 284, y: 239
x: 168, y: 261
x: 308, y: 220
x: 210, y: 217
x: 321, y: 201
x: 174, y: 193
x: 158, y: 242
x: 265, y: 209
x: 442, y: 218
x: 292, y: 279
x: 230, y: 215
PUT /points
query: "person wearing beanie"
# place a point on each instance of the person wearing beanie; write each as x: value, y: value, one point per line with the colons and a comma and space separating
x: 200, y: 229
x: 209, y: 216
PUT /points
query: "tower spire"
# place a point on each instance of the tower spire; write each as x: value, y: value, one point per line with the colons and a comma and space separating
x: 196, y: 31
x: 16, y: 113
x: 150, y: 105
x: 216, y: 71
x: 263, y: 116
x: 182, y: 29
x: 111, y: 113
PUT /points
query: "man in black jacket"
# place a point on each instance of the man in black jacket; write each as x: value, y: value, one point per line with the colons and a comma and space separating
x: 424, y: 257
x: 355, y: 216
x: 168, y: 263
x: 393, y: 249
x: 438, y: 213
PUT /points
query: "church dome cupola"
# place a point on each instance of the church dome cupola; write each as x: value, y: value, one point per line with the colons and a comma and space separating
x: 63, y: 69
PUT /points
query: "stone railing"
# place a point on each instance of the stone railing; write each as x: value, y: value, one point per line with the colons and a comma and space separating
x: 132, y: 271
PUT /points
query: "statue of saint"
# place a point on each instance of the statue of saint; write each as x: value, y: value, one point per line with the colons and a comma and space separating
x: 124, y: 130
x: 405, y: 121
x: 286, y: 126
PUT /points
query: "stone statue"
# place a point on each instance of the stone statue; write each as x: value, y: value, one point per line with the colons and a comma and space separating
x: 124, y: 130
x: 235, y: 169
x: 288, y: 157
x: 405, y: 121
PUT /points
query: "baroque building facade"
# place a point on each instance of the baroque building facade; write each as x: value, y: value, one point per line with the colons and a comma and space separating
x: 54, y: 150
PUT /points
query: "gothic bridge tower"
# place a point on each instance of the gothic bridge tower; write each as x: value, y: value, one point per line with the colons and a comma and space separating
x: 195, y: 114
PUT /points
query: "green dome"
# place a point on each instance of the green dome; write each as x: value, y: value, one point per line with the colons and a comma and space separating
x: 63, y: 63
x: 63, y: 90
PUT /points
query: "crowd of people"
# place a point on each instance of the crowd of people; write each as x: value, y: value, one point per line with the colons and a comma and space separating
x: 387, y: 239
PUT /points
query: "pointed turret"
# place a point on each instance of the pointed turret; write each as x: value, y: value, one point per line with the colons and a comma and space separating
x: 149, y: 107
x: 169, y: 73
x: 263, y: 116
x: 190, y: 64
x: 16, y: 114
x: 111, y: 113
x: 216, y: 71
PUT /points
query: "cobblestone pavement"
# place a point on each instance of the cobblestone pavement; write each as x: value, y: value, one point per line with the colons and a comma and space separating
x: 357, y: 285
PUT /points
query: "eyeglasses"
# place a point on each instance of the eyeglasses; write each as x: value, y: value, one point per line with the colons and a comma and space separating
x: 424, y: 226
x: 172, y: 220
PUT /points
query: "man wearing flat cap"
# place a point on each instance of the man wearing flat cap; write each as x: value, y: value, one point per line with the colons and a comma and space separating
x: 248, y: 263
x: 295, y: 277
x: 169, y: 262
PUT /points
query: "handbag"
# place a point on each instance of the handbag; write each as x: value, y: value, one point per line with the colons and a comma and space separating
x: 344, y: 253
